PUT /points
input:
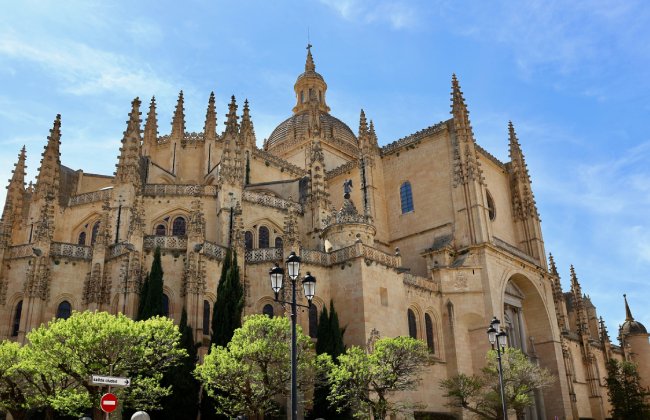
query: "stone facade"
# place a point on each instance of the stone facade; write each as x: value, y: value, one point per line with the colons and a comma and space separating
x: 429, y: 235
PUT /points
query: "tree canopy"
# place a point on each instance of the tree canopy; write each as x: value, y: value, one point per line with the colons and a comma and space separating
x: 366, y: 382
x: 52, y: 370
x: 628, y: 398
x: 480, y: 394
x: 248, y: 375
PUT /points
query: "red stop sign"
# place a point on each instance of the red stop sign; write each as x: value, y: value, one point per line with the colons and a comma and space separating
x: 108, y: 403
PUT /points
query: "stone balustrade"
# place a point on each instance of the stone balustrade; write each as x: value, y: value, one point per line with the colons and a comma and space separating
x: 259, y: 255
x: 21, y: 251
x: 116, y: 250
x: 268, y: 200
x: 61, y: 249
x: 357, y: 250
x: 90, y: 197
x: 214, y: 251
x: 171, y: 243
x: 499, y: 243
x: 161, y: 190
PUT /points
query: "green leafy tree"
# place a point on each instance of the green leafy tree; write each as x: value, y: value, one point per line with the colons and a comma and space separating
x: 152, y: 297
x: 481, y: 395
x: 253, y: 371
x: 329, y: 341
x: 12, y: 384
x: 54, y: 366
x: 366, y: 382
x: 628, y: 398
x: 183, y: 401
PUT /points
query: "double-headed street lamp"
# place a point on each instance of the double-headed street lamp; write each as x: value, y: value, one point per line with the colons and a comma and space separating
x: 496, y: 335
x: 309, y: 287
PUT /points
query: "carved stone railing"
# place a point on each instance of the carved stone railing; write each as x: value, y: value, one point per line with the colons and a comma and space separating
x: 269, y: 200
x: 21, y: 251
x: 279, y: 162
x: 344, y: 218
x: 413, y: 138
x: 172, y: 243
x: 90, y: 197
x: 500, y: 243
x: 60, y: 249
x: 380, y: 257
x: 419, y: 282
x: 212, y: 250
x: 152, y: 190
x: 344, y: 254
x: 312, y: 256
x: 259, y: 255
x: 115, y: 250
x: 346, y: 167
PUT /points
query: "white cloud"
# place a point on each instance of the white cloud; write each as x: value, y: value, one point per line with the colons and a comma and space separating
x: 398, y: 14
x: 83, y: 70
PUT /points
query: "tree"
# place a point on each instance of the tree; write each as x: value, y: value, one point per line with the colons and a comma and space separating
x: 626, y: 395
x: 329, y: 341
x: 54, y: 366
x: 183, y: 400
x: 12, y: 397
x: 366, y: 381
x: 249, y: 375
x: 481, y: 395
x: 226, y: 316
x: 152, y: 298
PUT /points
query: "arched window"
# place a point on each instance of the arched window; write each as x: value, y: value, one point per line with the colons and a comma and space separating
x: 64, y: 310
x: 264, y: 237
x: 428, y: 326
x: 406, y: 195
x: 93, y: 235
x: 178, y: 227
x: 248, y: 240
x: 278, y: 242
x: 313, y: 321
x: 160, y: 230
x: 268, y: 310
x: 165, y: 305
x: 16, y: 324
x: 206, y: 317
x: 492, y: 211
x: 82, y: 239
x: 413, y: 326
x: 302, y: 96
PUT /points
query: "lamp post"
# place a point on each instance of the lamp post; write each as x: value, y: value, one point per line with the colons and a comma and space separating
x: 276, y: 275
x: 496, y: 335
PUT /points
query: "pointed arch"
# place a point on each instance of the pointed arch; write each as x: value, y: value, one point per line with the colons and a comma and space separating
x: 406, y: 197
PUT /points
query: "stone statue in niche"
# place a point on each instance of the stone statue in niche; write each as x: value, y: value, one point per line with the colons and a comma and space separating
x: 347, y: 188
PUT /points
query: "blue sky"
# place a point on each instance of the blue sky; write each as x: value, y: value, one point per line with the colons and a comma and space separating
x: 572, y: 76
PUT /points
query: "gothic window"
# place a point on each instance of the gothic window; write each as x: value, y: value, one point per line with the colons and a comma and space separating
x: 178, y: 227
x: 64, y: 310
x: 492, y: 212
x: 406, y: 196
x: 264, y: 237
x: 93, y: 235
x: 413, y: 326
x: 278, y: 242
x: 248, y: 240
x: 16, y: 324
x: 82, y: 239
x: 160, y: 230
x: 302, y: 96
x: 165, y: 305
x: 428, y: 325
x: 313, y: 321
x: 206, y: 317
x: 268, y: 310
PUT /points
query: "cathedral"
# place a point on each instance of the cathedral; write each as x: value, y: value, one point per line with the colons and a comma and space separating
x: 428, y: 236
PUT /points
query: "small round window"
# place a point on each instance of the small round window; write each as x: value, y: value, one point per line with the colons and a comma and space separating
x: 492, y: 211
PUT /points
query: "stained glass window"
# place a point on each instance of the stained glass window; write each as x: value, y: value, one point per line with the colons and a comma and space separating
x: 178, y: 227
x: 82, y: 239
x: 406, y: 195
x: 248, y: 240
x: 64, y: 310
x: 264, y: 237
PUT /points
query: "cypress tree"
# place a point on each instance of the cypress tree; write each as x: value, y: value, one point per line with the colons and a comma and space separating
x: 151, y: 302
x: 329, y: 340
x: 144, y: 290
x: 183, y: 401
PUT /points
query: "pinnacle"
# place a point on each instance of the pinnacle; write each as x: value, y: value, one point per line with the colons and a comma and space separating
x: 363, y: 125
x: 309, y: 64
x: 628, y: 313
x: 552, y: 264
x: 210, y: 127
x: 178, y: 122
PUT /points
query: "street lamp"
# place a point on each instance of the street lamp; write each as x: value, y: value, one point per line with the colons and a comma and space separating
x: 276, y: 275
x: 499, y: 337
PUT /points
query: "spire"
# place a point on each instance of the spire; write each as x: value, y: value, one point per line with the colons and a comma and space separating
x: 210, y: 127
x: 552, y: 264
x: 47, y: 180
x: 467, y: 167
x: 628, y: 313
x: 523, y: 199
x: 363, y: 125
x: 309, y: 64
x: 578, y: 299
x: 373, y: 135
x: 575, y: 285
x: 604, y: 334
x: 232, y: 127
x: 247, y: 131
x: 151, y: 127
x: 178, y: 122
x: 128, y: 166
x: 14, y: 201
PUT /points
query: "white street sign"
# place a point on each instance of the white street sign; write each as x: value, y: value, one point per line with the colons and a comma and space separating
x: 110, y: 380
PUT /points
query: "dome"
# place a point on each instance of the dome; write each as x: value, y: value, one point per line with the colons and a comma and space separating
x: 297, y: 126
x: 633, y: 327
